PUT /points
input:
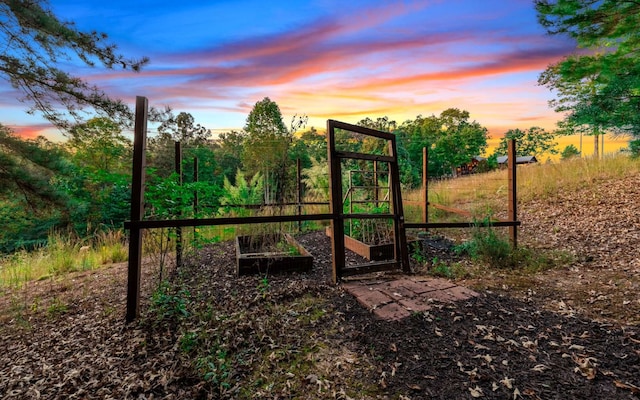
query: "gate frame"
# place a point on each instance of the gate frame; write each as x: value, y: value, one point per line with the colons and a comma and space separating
x: 401, y: 253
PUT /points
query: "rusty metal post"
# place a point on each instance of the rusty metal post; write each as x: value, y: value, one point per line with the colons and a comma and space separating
x: 425, y: 187
x: 196, y: 200
x: 375, y: 183
x: 178, y: 166
x: 299, y: 192
x: 400, y: 234
x: 335, y: 205
x: 137, y: 208
x: 513, y: 198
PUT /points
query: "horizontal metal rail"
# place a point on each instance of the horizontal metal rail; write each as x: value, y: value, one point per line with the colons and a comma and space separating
x: 360, y: 129
x: 362, y: 156
x: 175, y: 223
x: 421, y: 225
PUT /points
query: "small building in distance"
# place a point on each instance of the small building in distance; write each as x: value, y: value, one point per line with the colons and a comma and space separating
x: 477, y: 164
x: 502, y: 160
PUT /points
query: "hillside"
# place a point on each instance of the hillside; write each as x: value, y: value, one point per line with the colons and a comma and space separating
x: 600, y: 226
x: 564, y: 333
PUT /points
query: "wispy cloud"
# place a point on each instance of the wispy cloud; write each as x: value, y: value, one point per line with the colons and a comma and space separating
x: 355, y: 59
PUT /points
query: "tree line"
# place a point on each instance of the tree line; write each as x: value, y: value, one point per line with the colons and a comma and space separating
x: 83, y: 184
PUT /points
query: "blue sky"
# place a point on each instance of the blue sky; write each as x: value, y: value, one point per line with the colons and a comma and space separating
x: 323, y: 58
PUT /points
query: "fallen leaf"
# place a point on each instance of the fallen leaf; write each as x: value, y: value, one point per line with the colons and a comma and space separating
x: 540, y: 368
x: 516, y: 394
x: 476, y: 392
x: 508, y: 382
x: 627, y: 385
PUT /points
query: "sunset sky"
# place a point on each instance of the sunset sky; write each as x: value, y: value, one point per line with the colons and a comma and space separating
x: 344, y: 60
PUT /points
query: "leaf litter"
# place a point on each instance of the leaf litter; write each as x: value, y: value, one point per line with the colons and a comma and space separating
x: 572, y: 334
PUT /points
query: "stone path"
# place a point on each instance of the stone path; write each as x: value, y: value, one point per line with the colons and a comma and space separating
x: 397, y: 299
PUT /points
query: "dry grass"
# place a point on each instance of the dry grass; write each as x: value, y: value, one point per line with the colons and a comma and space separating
x: 64, y: 254
x: 486, y: 194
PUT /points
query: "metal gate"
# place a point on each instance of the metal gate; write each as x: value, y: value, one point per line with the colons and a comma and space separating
x: 396, y: 214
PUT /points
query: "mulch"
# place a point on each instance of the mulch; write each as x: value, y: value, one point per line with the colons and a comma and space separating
x: 490, y: 346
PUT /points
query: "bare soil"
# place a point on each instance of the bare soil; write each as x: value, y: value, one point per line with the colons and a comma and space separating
x: 568, y: 333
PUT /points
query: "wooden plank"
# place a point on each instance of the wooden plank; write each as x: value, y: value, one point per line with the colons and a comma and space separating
x: 352, y: 270
x: 137, y: 209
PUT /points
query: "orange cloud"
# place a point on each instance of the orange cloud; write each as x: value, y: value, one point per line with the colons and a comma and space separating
x: 27, y: 132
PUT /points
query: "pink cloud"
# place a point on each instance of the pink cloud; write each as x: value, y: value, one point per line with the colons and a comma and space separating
x: 32, y: 131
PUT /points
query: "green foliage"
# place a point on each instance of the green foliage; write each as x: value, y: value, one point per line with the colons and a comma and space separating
x: 228, y: 153
x: 56, y: 308
x: 534, y: 141
x: 242, y: 192
x: 497, y: 252
x: 215, y: 368
x: 569, y: 152
x: 370, y: 231
x: 38, y: 47
x: 99, y: 146
x: 416, y: 253
x: 193, y: 138
x: 267, y: 137
x: 315, y: 145
x: 451, y: 138
x: 81, y: 187
x: 634, y: 148
x: 599, y: 88
x: 167, y: 305
x: 440, y: 268
x: 167, y: 198
x: 487, y: 246
x: 263, y: 286
x: 316, y: 180
x: 188, y: 342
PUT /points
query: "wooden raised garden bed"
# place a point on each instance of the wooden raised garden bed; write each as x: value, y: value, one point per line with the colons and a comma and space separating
x: 270, y: 254
x: 372, y: 252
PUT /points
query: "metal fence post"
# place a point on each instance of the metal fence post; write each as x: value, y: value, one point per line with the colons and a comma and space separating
x: 137, y: 209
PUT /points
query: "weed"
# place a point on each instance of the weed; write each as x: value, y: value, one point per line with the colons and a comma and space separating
x: 440, y: 268
x: 188, y: 342
x: 498, y: 252
x: 56, y: 307
x: 487, y: 246
x: 417, y: 254
x: 263, y: 286
x: 169, y: 306
x: 215, y: 367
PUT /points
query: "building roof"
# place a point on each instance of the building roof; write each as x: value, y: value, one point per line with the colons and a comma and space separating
x: 519, y: 160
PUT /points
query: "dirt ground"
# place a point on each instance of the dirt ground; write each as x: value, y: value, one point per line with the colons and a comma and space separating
x: 568, y: 333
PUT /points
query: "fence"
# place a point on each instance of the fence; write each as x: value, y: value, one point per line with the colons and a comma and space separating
x: 137, y: 224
